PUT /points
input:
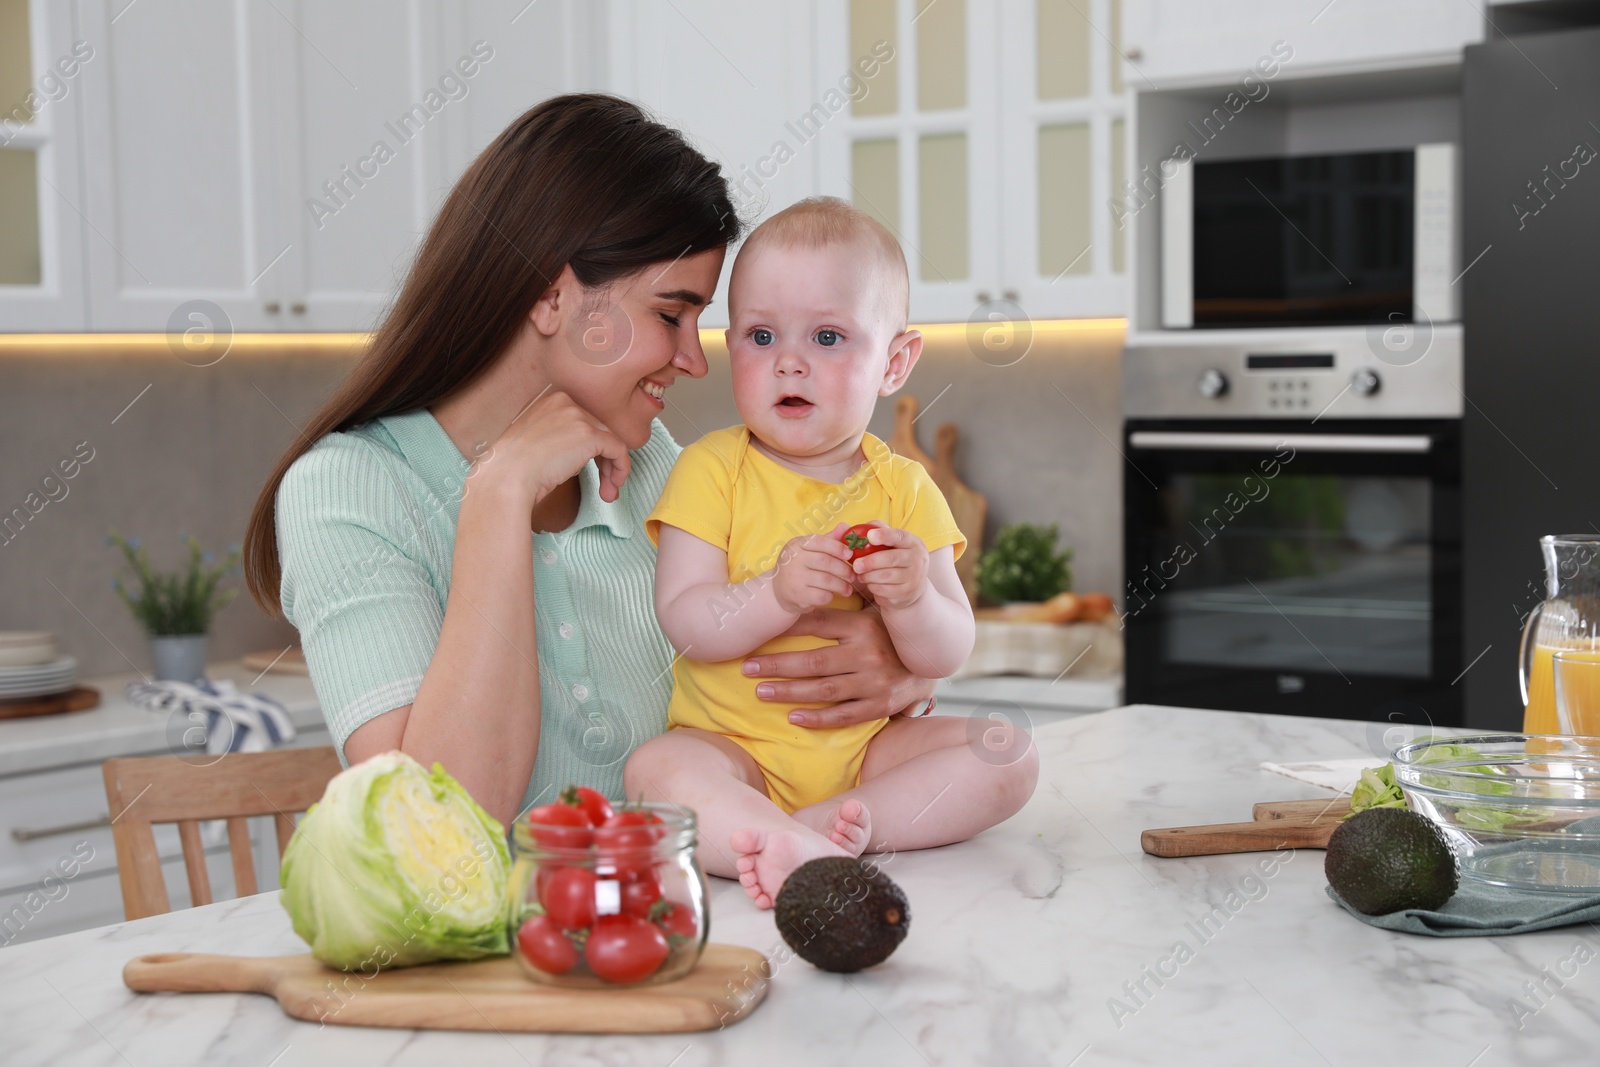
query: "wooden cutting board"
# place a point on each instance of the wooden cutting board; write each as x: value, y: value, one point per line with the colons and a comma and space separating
x: 78, y: 698
x: 491, y: 994
x: 970, y: 507
x: 1278, y: 824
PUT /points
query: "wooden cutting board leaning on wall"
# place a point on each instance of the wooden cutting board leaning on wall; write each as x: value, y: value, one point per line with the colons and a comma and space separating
x: 970, y: 507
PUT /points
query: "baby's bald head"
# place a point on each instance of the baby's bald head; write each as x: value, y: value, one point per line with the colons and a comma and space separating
x: 827, y: 221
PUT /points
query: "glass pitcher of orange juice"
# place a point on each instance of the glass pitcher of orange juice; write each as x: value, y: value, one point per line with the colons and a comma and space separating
x: 1568, y: 620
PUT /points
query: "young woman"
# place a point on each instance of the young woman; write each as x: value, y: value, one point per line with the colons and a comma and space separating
x: 458, y: 535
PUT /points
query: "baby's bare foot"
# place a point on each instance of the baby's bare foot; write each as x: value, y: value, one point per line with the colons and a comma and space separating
x: 847, y: 824
x: 768, y: 857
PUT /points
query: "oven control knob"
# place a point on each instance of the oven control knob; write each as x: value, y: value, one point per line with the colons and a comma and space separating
x: 1365, y: 382
x: 1213, y: 383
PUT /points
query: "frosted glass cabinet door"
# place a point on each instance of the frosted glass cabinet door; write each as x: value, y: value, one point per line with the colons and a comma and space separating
x: 41, y: 237
x: 1061, y: 118
x: 916, y: 144
x: 179, y: 140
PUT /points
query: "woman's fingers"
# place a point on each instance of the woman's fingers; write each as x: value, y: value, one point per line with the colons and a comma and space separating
x: 848, y: 713
x: 821, y: 662
x: 614, y: 462
x: 809, y: 691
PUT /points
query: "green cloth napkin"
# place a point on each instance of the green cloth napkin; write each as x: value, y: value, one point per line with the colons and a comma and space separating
x: 1479, y: 909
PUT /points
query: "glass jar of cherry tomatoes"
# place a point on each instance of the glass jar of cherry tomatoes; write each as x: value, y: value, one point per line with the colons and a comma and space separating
x: 603, y: 897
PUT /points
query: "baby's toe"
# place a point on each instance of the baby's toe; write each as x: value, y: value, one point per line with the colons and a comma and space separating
x: 746, y: 842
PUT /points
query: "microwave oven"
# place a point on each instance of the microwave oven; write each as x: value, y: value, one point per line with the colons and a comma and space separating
x: 1311, y: 240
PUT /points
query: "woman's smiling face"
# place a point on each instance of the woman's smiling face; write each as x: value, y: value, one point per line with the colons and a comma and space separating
x: 625, y: 345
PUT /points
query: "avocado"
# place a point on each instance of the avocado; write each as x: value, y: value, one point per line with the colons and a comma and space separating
x: 1390, y: 859
x: 841, y: 914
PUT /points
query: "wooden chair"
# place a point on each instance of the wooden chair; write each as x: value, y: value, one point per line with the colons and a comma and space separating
x: 143, y: 790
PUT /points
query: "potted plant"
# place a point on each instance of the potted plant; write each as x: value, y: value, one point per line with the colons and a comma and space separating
x: 176, y: 609
x: 1023, y: 565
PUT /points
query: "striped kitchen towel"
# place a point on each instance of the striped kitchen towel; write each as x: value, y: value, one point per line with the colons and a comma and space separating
x: 222, y: 719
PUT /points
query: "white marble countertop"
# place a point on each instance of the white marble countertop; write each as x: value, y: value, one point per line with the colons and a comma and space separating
x: 120, y: 728
x: 1024, y: 946
x: 1074, y: 694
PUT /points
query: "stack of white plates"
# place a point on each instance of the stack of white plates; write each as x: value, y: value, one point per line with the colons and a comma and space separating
x: 29, y: 666
x: 24, y: 648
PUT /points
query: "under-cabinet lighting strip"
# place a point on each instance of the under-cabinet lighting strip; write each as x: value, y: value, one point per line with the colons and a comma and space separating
x: 341, y: 343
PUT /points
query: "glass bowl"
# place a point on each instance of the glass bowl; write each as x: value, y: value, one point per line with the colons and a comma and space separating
x: 602, y: 908
x: 1520, y: 810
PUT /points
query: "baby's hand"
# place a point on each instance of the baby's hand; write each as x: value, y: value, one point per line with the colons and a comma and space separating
x: 812, y: 571
x: 897, y: 576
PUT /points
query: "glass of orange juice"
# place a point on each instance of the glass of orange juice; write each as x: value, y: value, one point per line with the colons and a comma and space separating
x: 1576, y: 676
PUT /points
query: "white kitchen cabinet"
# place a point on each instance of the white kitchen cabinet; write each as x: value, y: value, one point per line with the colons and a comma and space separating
x: 1176, y: 43
x: 737, y: 80
x: 283, y: 160
x: 43, y: 63
x: 178, y: 137
x: 383, y: 108
x: 58, y: 864
x: 990, y: 144
x: 1064, y: 149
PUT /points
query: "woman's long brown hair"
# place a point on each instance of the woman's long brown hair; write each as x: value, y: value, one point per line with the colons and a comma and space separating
x: 585, y: 179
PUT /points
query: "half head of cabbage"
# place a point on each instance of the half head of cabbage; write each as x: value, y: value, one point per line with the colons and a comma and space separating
x: 395, y: 866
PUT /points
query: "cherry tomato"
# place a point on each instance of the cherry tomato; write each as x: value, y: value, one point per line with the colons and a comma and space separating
x: 592, y: 802
x: 856, y: 539
x: 560, y: 826
x: 544, y: 945
x: 677, y: 920
x: 639, y: 895
x: 625, y: 948
x: 568, y: 897
x: 627, y: 844
x: 633, y: 817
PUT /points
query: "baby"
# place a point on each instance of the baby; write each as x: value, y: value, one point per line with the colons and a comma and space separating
x: 750, y: 529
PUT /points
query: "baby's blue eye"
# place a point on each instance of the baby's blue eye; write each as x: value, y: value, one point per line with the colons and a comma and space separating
x: 827, y: 338
x: 761, y: 337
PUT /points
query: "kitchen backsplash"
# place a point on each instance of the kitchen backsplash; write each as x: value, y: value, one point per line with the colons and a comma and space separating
x: 160, y: 448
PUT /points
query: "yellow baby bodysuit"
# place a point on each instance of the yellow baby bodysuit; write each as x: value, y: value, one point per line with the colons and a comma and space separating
x: 728, y: 493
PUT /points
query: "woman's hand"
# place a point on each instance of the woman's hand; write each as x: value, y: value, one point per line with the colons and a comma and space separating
x: 547, y: 444
x: 861, y: 675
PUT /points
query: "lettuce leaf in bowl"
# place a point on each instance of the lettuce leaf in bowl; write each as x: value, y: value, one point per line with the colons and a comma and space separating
x: 1377, y: 788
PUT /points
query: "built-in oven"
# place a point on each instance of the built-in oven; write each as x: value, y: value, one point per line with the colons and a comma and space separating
x: 1291, y: 544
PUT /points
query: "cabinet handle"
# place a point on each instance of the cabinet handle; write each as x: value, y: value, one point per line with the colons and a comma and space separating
x: 298, y: 309
x: 273, y: 307
x: 1011, y: 295
x: 983, y: 296
x: 69, y: 828
x: 1133, y: 53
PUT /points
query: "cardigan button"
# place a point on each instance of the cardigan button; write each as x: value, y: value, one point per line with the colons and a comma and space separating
x: 581, y: 691
x: 565, y: 629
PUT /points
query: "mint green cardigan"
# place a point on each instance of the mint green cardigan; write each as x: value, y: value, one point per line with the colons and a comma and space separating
x: 366, y: 525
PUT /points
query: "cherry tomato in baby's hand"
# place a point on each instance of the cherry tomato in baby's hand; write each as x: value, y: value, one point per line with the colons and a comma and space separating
x: 568, y: 897
x: 591, y: 802
x: 625, y: 948
x: 542, y: 944
x: 560, y: 826
x: 855, y: 539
